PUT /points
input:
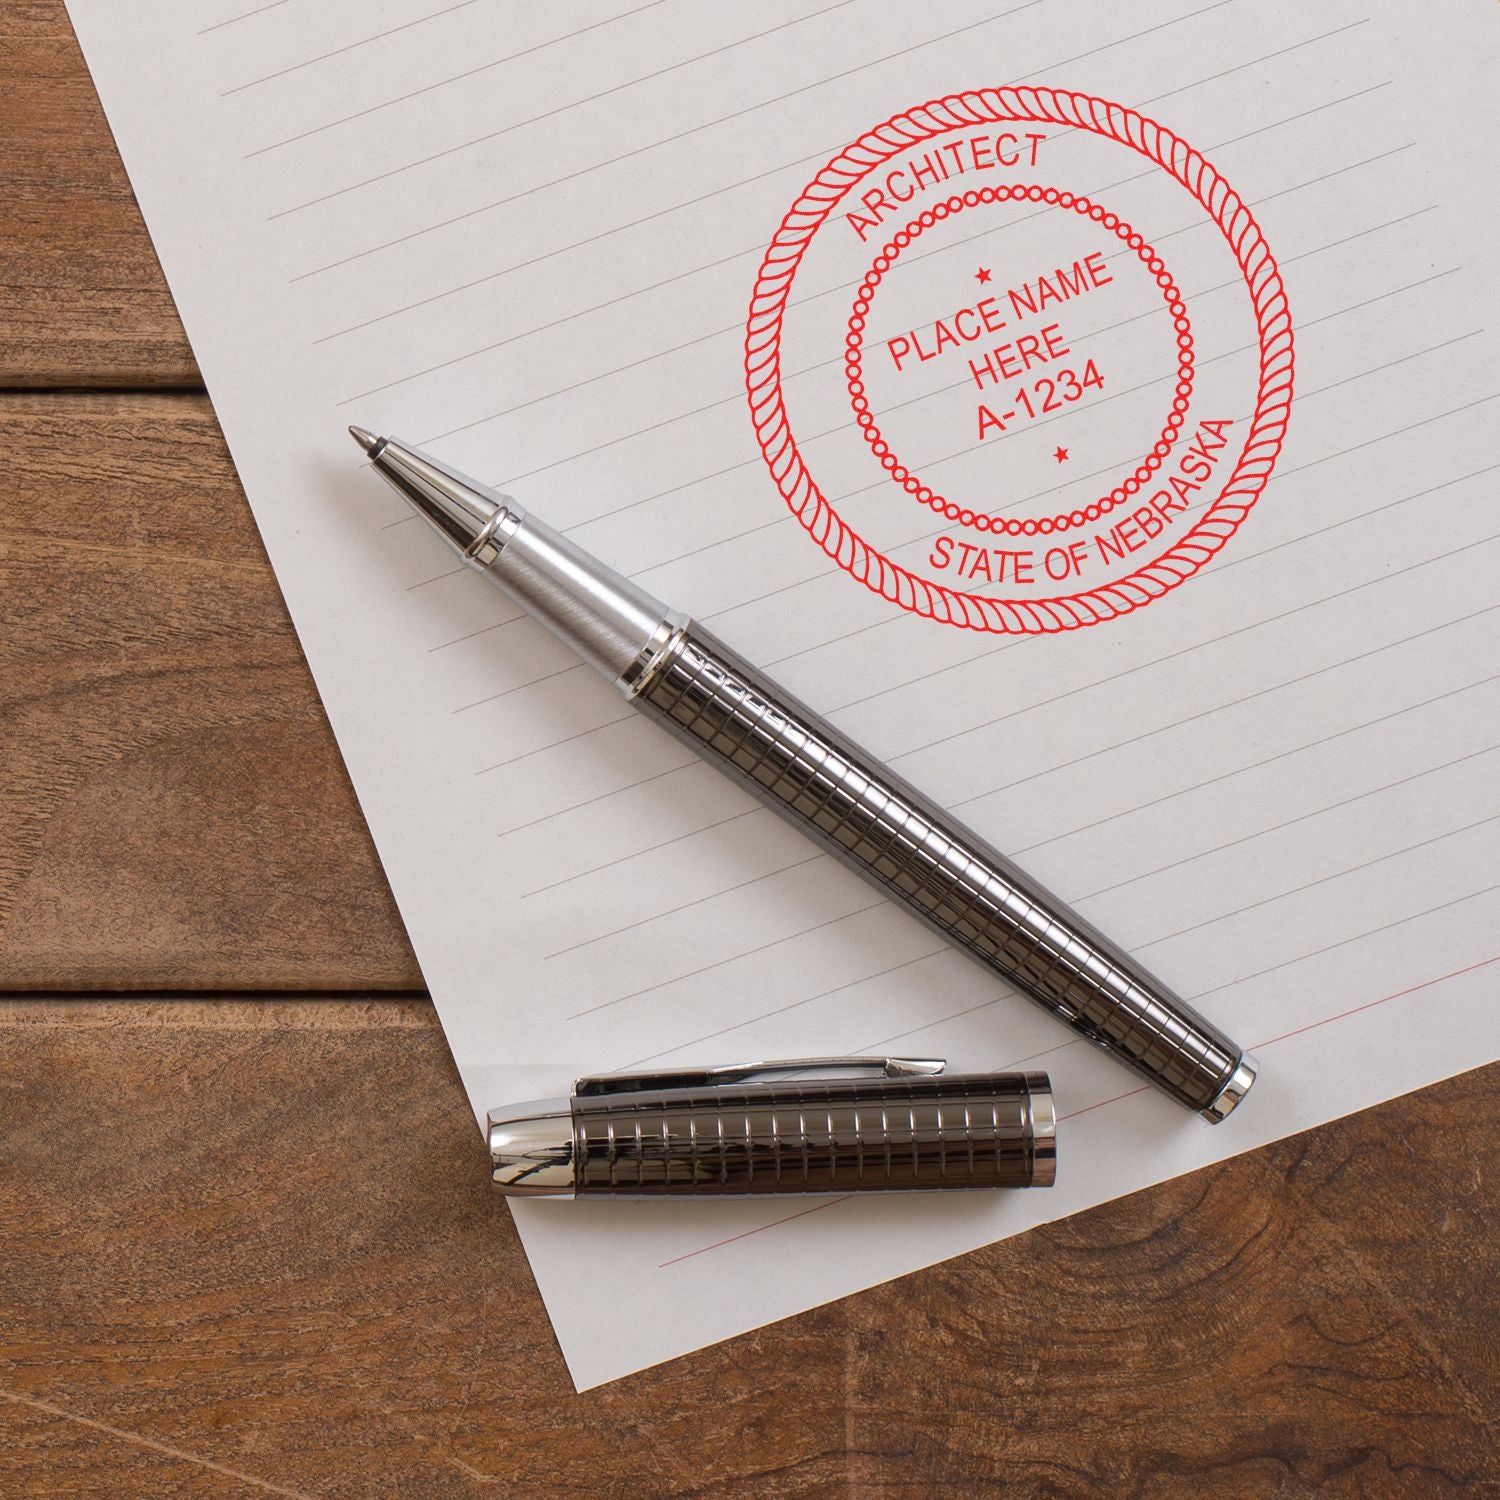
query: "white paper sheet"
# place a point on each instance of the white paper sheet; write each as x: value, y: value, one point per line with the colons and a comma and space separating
x: 527, y: 236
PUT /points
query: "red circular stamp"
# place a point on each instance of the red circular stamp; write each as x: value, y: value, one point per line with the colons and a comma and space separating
x: 1024, y: 331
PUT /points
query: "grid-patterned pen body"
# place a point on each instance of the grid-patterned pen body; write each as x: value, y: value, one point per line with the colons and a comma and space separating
x: 833, y: 1136
x: 875, y: 822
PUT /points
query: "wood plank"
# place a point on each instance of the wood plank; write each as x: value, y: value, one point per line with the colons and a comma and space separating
x: 173, y: 810
x: 257, y: 1238
x: 82, y: 299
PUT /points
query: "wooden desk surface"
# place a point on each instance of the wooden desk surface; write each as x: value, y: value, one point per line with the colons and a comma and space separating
x: 246, y: 1245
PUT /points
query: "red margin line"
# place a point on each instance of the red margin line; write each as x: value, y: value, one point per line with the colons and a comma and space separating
x: 1384, y: 999
x: 801, y: 1213
x: 1426, y: 984
x: 1145, y: 1088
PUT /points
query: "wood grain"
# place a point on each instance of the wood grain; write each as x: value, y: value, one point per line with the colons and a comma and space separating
x: 173, y: 810
x: 259, y: 1237
x: 82, y: 299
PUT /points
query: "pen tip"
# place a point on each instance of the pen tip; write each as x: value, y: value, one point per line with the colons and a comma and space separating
x: 366, y: 440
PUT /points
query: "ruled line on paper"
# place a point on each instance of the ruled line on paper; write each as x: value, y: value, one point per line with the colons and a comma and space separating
x: 1368, y: 1005
x: 243, y: 16
x: 578, y: 666
x: 800, y: 1213
x: 583, y: 312
x: 448, y: 573
x: 1265, y: 57
x: 692, y: 761
x: 1297, y: 890
x: 1139, y: 945
x: 1079, y: 900
x: 834, y: 78
x: 883, y: 482
x: 720, y: 963
x: 1317, y: 812
x: 681, y: 906
x: 361, y: 114
x: 751, y: 1021
x: 748, y: 812
x: 1239, y: 630
x: 1236, y: 703
x: 1113, y: 1099
x: 1135, y: 36
x: 626, y: 718
x: 1218, y: 565
x: 485, y: 208
x: 751, y: 249
x: 1199, y: 786
x: 379, y: 36
x: 803, y: 300
x: 1221, y: 563
x: 822, y: 574
x: 630, y: 716
x: 602, y: 797
x: 562, y: 109
x: 1344, y: 943
x: 871, y: 906
x: 782, y: 1010
x: 738, y: 395
x: 1359, y: 937
x: 483, y: 630
x: 1426, y: 984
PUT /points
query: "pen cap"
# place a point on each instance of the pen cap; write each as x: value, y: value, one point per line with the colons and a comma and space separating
x: 531, y: 1149
x: 832, y: 1135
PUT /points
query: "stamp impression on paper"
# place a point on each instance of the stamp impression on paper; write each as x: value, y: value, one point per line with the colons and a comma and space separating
x: 1019, y: 360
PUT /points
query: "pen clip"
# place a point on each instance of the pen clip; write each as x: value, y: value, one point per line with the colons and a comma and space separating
x: 687, y: 1078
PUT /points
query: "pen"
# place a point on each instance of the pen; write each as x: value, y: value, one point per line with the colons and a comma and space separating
x: 810, y: 1125
x: 799, y: 765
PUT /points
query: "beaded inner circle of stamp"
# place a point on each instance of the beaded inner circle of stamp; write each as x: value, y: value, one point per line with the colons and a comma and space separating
x: 859, y: 398
x: 820, y: 518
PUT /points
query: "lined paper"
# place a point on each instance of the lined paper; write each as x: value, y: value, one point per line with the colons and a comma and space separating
x: 526, y: 238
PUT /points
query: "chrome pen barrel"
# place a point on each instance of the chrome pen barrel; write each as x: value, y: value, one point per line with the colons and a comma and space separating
x: 864, y: 815
x: 608, y: 620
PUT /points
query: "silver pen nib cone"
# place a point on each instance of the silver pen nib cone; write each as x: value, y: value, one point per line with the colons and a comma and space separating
x: 459, y: 507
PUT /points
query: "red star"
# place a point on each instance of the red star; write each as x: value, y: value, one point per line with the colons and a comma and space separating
x: 1061, y: 455
x: 982, y: 275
